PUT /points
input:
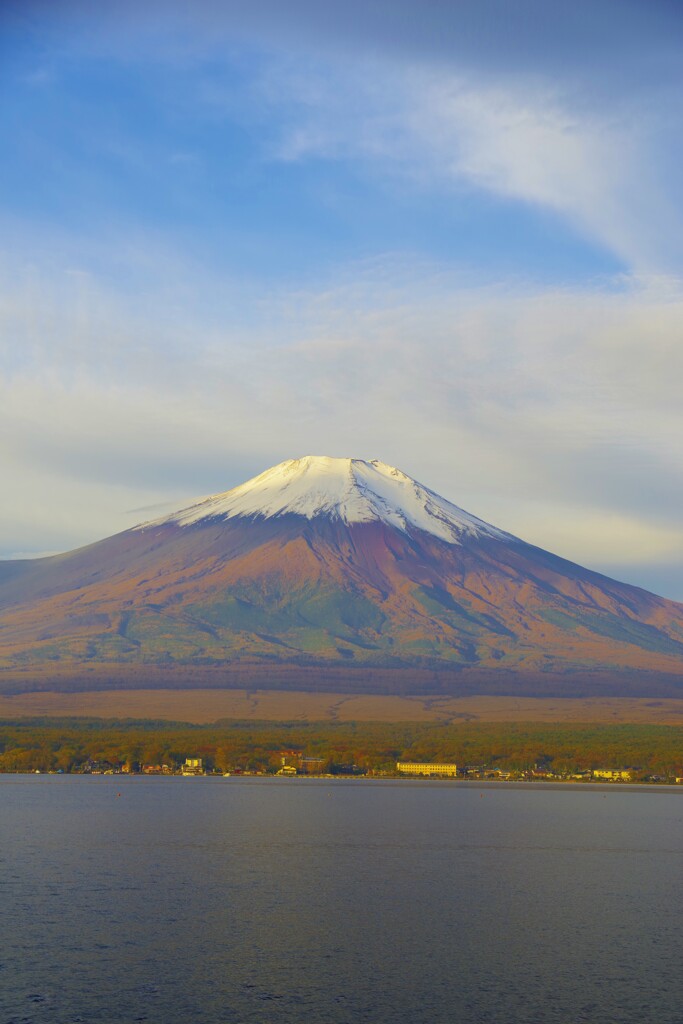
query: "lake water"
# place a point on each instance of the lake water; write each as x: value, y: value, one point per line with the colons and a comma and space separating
x: 245, y: 900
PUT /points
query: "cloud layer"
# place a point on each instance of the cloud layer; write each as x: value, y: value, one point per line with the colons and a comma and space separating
x: 553, y: 414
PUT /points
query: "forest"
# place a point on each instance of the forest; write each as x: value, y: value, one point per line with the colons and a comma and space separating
x: 70, y: 744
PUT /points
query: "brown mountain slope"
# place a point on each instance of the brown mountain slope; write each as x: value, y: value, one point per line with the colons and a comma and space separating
x: 318, y: 604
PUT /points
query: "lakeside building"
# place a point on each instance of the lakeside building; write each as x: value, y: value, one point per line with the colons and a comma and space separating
x: 91, y: 767
x: 192, y: 766
x: 613, y: 774
x: 425, y: 768
x: 293, y: 762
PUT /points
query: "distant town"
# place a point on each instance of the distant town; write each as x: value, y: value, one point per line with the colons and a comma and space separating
x: 295, y: 764
x: 500, y: 752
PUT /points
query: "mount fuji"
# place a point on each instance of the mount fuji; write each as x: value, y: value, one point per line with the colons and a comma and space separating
x: 331, y: 574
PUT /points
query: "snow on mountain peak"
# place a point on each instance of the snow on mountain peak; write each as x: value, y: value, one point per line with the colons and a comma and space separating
x: 351, y: 490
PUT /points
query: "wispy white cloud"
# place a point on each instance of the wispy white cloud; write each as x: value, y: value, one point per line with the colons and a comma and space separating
x: 521, y: 138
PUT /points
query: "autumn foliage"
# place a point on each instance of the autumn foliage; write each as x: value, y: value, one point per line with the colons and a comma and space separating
x: 50, y: 745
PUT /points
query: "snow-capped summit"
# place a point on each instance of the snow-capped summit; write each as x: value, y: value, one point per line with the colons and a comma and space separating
x: 350, y: 490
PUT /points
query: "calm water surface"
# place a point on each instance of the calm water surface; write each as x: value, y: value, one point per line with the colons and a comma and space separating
x: 234, y: 900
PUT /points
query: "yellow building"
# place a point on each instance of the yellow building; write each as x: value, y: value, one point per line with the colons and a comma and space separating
x: 613, y: 774
x: 425, y: 768
x: 192, y: 766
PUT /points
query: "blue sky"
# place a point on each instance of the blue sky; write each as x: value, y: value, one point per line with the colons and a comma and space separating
x: 446, y: 235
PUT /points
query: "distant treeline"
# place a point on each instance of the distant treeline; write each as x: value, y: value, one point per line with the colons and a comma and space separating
x: 68, y: 744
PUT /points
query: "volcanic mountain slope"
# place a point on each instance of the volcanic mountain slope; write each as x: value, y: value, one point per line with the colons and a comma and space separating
x: 331, y: 574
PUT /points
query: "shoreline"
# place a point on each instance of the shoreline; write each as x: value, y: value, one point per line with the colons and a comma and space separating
x: 255, y: 779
